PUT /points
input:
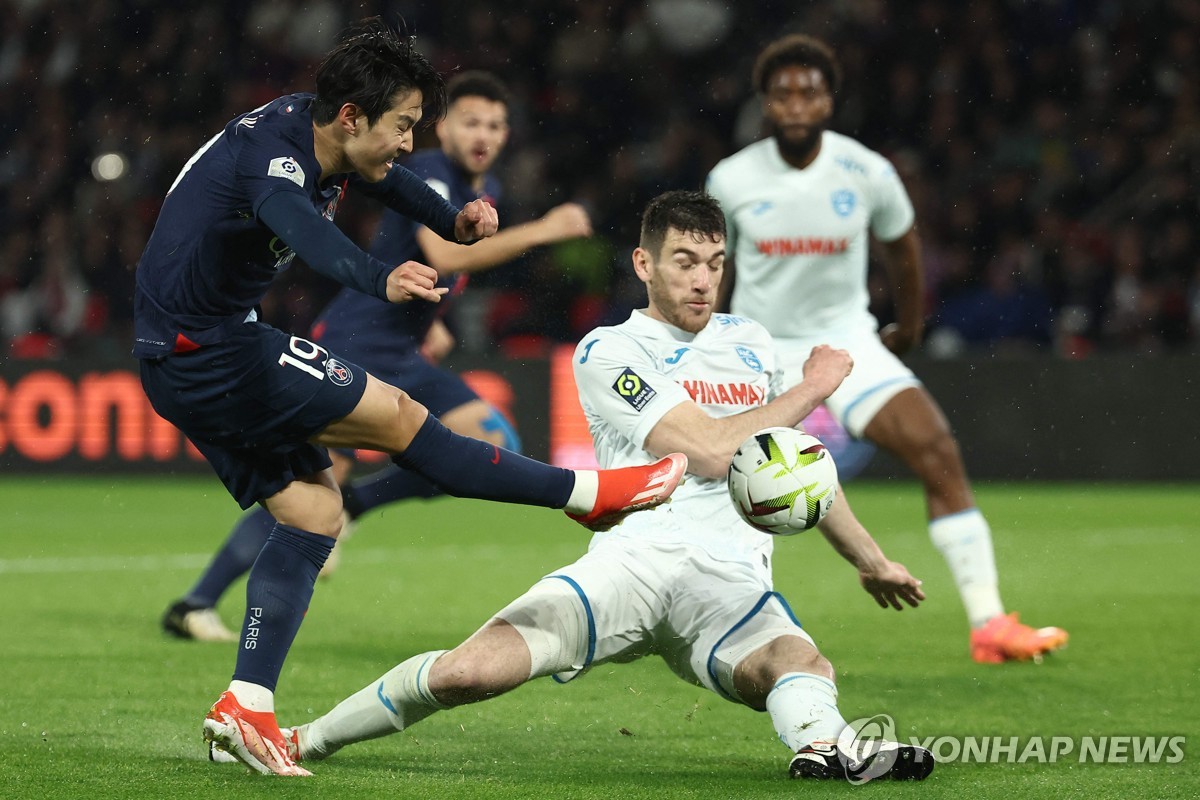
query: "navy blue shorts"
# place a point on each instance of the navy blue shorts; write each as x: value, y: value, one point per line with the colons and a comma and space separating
x: 392, y: 359
x: 251, y: 403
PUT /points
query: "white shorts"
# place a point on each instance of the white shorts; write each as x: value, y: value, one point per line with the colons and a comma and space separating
x: 702, y: 616
x: 877, y: 377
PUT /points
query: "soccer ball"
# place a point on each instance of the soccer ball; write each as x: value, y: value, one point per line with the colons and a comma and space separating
x: 782, y: 481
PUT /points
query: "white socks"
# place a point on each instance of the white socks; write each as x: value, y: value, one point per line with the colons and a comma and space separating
x: 583, y: 496
x: 804, y: 709
x: 253, y: 697
x: 966, y: 543
x: 396, y: 701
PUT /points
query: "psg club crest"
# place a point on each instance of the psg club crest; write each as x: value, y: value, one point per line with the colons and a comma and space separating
x: 843, y: 202
x: 339, y: 374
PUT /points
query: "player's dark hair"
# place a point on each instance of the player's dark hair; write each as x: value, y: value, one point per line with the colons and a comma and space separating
x: 372, y: 64
x: 690, y: 212
x: 476, y: 83
x: 796, y: 50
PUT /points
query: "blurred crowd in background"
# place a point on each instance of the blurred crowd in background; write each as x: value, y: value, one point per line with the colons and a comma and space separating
x: 1052, y: 150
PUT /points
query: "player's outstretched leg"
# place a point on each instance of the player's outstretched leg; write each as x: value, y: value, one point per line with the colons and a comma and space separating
x: 393, y: 702
x: 465, y: 467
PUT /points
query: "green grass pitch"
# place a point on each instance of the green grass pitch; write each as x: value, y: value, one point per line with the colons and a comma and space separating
x: 96, y: 702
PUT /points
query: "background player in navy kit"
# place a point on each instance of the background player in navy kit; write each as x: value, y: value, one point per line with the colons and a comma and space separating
x: 386, y: 339
x: 262, y: 405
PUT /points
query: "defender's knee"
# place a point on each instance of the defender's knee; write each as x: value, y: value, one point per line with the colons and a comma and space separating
x: 468, y: 675
x: 761, y: 670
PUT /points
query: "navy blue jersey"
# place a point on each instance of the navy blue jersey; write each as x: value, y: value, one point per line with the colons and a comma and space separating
x: 354, y: 322
x: 211, y: 259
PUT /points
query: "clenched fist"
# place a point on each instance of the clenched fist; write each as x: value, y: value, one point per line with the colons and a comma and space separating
x: 477, y: 220
x: 412, y: 280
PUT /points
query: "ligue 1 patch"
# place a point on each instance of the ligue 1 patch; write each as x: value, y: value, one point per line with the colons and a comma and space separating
x: 749, y: 358
x: 635, y: 390
x: 843, y: 202
x: 286, y: 167
x: 339, y: 374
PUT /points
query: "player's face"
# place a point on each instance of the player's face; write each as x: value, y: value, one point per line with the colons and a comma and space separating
x: 474, y: 132
x: 372, y: 149
x: 797, y: 105
x: 682, y: 278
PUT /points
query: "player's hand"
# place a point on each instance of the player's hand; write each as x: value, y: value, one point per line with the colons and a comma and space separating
x: 477, y: 220
x: 889, y: 583
x: 568, y: 221
x: 439, y: 341
x: 413, y: 281
x: 826, y: 368
x: 897, y: 339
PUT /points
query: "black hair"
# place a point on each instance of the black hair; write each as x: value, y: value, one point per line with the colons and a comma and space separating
x: 697, y: 213
x: 372, y: 64
x: 796, y: 50
x: 476, y: 83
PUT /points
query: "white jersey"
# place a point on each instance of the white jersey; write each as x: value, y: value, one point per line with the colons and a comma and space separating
x: 630, y: 375
x: 799, y: 237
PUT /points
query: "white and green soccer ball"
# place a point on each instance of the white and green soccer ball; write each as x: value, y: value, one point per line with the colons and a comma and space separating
x: 782, y: 481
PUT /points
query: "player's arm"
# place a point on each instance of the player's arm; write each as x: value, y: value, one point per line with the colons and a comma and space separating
x: 887, y: 581
x: 567, y: 221
x: 406, y: 194
x: 711, y: 442
x: 902, y: 258
x: 327, y: 250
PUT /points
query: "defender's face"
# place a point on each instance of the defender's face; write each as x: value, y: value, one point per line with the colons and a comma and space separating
x: 798, y: 105
x: 682, y: 278
x: 474, y: 132
x: 372, y: 149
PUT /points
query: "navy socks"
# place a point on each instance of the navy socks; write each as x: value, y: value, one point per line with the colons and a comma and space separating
x: 465, y: 467
x: 277, y: 595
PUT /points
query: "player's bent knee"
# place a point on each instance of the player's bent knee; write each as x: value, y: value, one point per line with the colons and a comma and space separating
x: 755, y: 665
x: 552, y: 621
x: 468, y: 677
x: 325, y: 522
x: 309, y: 508
x: 409, y: 417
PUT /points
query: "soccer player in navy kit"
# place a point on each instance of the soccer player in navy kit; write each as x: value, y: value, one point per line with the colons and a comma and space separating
x: 386, y: 338
x: 261, y: 405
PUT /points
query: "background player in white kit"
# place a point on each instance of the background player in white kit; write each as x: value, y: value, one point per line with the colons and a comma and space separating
x: 690, y: 582
x: 800, y: 208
